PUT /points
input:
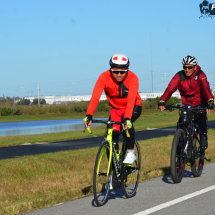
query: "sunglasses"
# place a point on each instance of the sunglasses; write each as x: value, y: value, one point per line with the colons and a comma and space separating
x: 188, y: 67
x: 119, y: 71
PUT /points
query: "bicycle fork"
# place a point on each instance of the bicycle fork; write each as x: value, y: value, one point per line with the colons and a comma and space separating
x: 112, y: 156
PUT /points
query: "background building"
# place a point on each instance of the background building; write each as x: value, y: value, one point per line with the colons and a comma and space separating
x: 64, y: 99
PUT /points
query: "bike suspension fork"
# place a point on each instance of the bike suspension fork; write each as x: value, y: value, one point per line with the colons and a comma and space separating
x: 188, y: 139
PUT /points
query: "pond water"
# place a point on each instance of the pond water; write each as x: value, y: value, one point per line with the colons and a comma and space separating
x: 42, y: 126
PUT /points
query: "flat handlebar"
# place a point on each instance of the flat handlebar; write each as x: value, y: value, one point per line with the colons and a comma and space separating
x: 185, y: 107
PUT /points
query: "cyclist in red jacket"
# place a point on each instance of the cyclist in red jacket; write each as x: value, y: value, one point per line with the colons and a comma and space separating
x: 121, y: 88
x: 194, y: 90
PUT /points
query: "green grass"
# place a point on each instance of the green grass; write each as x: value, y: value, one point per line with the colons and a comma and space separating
x: 33, y: 182
x: 148, y: 119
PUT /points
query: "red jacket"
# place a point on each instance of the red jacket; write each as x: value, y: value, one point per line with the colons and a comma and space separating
x: 120, y: 95
x: 194, y: 90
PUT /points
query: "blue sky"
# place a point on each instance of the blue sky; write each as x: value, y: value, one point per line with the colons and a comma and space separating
x: 56, y: 43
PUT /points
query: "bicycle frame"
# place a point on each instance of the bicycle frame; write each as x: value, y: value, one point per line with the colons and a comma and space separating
x: 190, y: 131
x: 111, y: 154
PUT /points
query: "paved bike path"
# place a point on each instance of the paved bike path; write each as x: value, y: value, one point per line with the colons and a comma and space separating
x: 34, y: 149
x: 150, y: 194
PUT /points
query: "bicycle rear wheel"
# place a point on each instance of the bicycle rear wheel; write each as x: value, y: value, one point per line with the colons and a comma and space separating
x: 177, y: 163
x: 132, y: 173
x: 100, y: 179
x: 197, y: 165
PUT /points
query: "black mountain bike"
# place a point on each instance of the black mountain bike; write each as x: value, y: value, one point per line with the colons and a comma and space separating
x: 186, y: 144
x: 109, y: 167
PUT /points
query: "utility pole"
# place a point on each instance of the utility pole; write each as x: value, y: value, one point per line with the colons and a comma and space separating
x: 38, y: 94
x: 213, y: 85
x: 65, y: 92
x: 14, y: 95
x: 164, y: 79
x: 213, y: 80
x: 151, y: 62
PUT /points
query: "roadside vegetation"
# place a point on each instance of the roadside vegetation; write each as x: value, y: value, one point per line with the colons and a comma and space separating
x: 23, y: 107
x: 32, y: 182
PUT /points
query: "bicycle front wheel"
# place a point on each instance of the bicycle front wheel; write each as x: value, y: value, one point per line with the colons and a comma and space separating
x: 197, y: 165
x: 132, y: 173
x: 100, y: 179
x: 177, y: 163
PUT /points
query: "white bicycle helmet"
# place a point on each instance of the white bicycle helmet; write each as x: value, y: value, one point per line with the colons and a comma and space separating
x: 119, y: 61
x: 189, y: 60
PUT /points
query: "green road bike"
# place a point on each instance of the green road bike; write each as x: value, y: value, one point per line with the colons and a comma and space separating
x: 110, y: 169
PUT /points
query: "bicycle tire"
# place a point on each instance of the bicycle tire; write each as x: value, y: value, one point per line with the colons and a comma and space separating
x: 101, y: 180
x: 177, y: 163
x: 132, y: 172
x: 197, y: 165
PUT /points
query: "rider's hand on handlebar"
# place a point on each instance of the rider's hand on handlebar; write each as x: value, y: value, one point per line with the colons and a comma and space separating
x: 127, y: 124
x: 161, y: 105
x: 210, y: 106
x: 88, y: 120
x: 162, y: 108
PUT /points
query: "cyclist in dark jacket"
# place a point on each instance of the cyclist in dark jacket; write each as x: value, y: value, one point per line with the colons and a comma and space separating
x: 194, y: 90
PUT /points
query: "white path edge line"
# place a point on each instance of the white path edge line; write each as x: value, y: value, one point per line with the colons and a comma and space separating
x: 175, y: 201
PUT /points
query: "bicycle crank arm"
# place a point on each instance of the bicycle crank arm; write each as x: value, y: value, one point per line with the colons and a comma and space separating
x: 208, y: 160
x: 131, y: 171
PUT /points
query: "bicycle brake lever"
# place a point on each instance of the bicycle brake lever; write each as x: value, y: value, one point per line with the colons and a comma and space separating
x: 88, y: 129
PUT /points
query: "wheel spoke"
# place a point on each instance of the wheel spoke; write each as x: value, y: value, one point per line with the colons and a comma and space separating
x: 197, y: 165
x: 100, y: 179
x: 132, y: 174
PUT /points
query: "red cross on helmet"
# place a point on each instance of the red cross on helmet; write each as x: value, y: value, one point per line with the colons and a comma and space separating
x: 119, y: 61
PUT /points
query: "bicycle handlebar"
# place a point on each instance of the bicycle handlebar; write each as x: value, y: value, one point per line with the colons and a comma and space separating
x: 185, y: 107
x: 108, y: 122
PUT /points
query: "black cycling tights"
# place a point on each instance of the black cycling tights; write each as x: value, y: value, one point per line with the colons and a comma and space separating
x: 130, y: 141
x: 200, y: 119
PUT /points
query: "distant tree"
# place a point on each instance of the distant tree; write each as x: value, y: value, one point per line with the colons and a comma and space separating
x: 9, y: 98
x: 24, y: 102
x: 35, y: 101
x: 173, y: 101
x: 42, y: 101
